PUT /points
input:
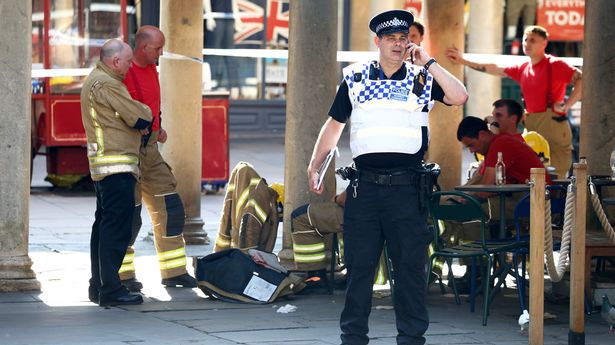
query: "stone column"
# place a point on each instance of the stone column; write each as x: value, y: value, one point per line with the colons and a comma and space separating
x: 15, y: 89
x: 444, y: 24
x: 597, y: 113
x: 360, y: 15
x: 312, y: 78
x: 485, y: 37
x: 361, y: 38
x: 180, y: 81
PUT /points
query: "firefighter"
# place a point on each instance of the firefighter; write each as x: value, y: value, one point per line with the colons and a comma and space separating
x: 309, y: 225
x: 157, y: 187
x: 250, y: 212
x: 112, y: 120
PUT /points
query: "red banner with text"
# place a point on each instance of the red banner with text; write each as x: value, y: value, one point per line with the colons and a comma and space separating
x: 563, y: 19
x: 414, y: 7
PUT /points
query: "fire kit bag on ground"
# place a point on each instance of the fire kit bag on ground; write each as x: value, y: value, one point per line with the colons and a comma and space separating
x: 234, y: 276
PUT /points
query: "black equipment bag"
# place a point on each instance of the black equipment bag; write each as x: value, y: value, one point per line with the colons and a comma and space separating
x: 233, y: 276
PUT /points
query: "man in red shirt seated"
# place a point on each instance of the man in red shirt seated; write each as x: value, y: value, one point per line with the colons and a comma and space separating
x: 518, y: 159
x: 517, y: 156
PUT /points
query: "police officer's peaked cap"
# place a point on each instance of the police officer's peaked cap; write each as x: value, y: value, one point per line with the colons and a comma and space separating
x: 391, y: 21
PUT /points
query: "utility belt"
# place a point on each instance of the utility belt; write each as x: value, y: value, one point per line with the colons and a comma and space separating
x: 388, y: 178
x: 424, y: 179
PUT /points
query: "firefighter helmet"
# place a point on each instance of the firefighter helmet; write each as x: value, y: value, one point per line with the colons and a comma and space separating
x: 279, y: 188
x: 540, y: 145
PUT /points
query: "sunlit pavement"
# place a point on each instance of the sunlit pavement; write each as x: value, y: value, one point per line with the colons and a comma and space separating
x: 60, y: 223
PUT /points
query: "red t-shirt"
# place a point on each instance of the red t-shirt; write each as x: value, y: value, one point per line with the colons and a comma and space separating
x: 518, y: 158
x: 143, y: 85
x: 533, y: 80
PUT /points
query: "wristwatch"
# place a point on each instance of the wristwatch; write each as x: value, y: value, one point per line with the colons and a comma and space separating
x: 429, y: 63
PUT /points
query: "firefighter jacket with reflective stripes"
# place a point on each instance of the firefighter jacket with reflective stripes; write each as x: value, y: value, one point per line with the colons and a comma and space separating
x: 249, y: 215
x: 388, y: 115
x: 109, y: 115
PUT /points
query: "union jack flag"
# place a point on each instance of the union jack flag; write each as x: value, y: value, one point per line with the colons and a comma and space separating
x: 250, y: 33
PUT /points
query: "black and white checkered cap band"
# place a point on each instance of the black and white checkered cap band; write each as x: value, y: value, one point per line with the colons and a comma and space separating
x: 392, y: 23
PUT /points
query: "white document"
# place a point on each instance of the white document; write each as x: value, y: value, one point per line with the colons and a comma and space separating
x: 259, y: 289
x: 322, y: 170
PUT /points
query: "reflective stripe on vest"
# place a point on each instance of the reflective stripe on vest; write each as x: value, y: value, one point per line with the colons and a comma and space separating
x: 244, y: 194
x: 262, y: 215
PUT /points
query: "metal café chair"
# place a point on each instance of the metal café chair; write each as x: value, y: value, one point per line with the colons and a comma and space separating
x: 467, y: 210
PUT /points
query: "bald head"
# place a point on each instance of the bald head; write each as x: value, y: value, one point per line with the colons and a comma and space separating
x: 117, y: 55
x: 149, y: 42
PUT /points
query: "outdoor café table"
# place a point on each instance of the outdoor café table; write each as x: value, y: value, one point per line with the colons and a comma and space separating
x: 501, y: 190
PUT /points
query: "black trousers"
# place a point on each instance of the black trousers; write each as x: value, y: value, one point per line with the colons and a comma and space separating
x: 111, y: 232
x: 385, y: 214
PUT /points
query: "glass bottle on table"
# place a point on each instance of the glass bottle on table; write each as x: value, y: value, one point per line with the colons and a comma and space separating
x: 500, y: 171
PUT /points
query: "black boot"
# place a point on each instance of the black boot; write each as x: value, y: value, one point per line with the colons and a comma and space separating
x: 184, y: 280
x: 316, y: 283
x: 132, y: 284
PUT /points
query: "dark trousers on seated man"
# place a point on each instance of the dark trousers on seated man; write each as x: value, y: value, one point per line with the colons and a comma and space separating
x: 111, y: 232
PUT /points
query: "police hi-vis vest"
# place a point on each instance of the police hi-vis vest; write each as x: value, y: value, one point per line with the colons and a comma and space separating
x: 386, y: 116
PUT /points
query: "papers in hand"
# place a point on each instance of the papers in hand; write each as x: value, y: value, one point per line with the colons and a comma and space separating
x: 322, y: 170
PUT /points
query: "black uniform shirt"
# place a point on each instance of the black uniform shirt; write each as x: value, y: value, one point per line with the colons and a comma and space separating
x: 342, y: 108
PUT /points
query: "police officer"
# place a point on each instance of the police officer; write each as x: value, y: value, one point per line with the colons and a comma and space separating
x: 250, y: 212
x: 112, y: 120
x: 388, y: 101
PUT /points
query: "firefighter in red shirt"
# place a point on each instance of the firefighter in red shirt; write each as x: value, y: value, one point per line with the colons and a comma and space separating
x: 543, y: 80
x: 157, y: 186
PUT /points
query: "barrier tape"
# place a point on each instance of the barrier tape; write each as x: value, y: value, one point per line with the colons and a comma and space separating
x: 342, y: 56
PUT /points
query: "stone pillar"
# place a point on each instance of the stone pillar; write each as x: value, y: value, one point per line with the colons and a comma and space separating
x: 15, y: 89
x: 597, y: 113
x: 359, y: 32
x: 361, y: 38
x: 444, y: 24
x: 485, y: 37
x: 180, y: 81
x: 312, y: 78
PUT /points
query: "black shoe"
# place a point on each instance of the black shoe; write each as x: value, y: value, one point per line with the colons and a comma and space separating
x: 433, y: 276
x: 93, y: 297
x: 184, y: 280
x: 93, y: 294
x: 128, y: 299
x: 315, y: 285
x: 132, y: 284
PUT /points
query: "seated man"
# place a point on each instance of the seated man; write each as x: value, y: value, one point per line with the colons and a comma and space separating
x: 250, y: 212
x: 505, y: 118
x: 310, y: 223
x: 518, y: 159
x: 517, y: 156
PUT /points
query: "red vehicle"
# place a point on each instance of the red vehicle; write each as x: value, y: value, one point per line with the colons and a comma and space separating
x: 66, y: 40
